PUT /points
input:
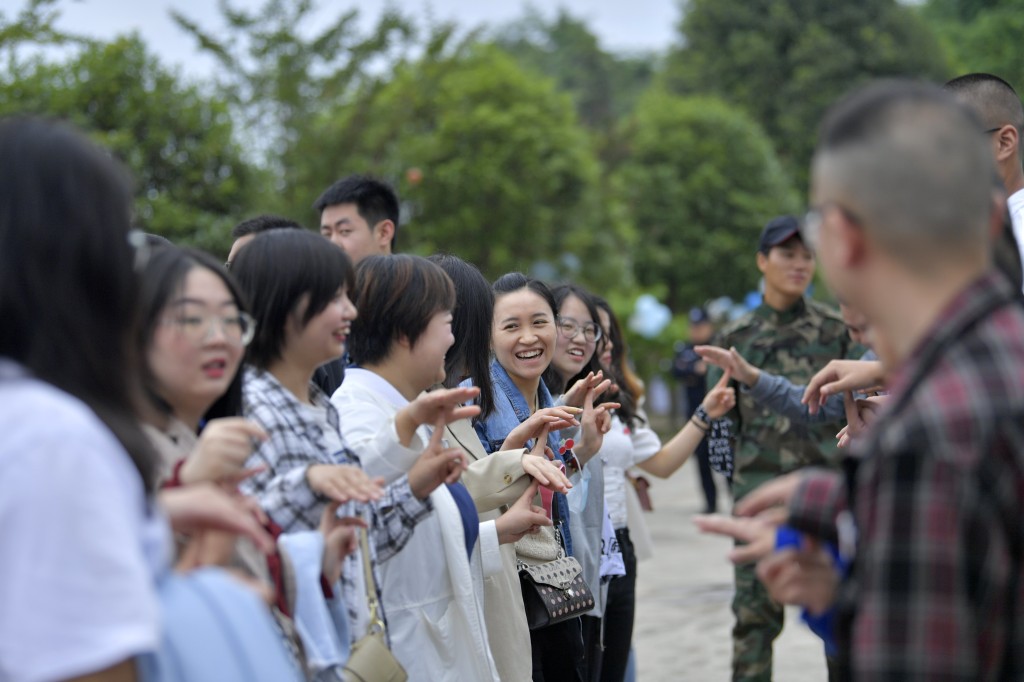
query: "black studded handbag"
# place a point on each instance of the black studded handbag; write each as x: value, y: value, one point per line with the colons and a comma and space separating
x: 554, y: 591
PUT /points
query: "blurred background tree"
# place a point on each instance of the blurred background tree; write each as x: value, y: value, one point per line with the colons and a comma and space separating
x: 281, y: 65
x: 784, y: 61
x: 981, y: 35
x: 489, y: 159
x: 700, y: 181
x: 191, y: 180
x: 527, y: 146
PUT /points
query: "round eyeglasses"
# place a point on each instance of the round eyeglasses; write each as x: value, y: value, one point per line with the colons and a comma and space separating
x: 237, y: 329
x: 569, y: 328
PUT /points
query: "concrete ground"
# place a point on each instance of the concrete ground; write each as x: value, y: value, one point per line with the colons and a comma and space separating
x: 684, y: 622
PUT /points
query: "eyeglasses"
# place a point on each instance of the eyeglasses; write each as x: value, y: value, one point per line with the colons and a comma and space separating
x: 993, y: 130
x: 810, y: 228
x: 569, y: 328
x: 237, y: 329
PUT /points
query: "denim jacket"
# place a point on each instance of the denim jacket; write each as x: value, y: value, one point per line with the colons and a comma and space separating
x: 511, y: 410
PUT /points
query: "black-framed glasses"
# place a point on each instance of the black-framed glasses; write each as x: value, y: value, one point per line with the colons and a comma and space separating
x: 237, y: 329
x: 993, y: 130
x: 569, y: 328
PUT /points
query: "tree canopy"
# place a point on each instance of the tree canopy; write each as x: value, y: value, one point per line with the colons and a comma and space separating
x: 701, y: 181
x: 191, y: 180
x: 489, y: 159
x: 784, y: 61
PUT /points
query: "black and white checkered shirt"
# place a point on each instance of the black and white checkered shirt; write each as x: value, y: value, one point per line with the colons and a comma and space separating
x: 297, y: 441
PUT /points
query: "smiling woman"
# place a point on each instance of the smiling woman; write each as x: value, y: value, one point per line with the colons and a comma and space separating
x: 523, y: 338
x: 433, y: 588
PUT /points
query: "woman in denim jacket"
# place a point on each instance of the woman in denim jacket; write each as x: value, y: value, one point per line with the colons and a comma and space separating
x: 523, y: 340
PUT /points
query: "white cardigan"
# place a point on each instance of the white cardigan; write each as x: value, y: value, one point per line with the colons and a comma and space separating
x: 433, y: 594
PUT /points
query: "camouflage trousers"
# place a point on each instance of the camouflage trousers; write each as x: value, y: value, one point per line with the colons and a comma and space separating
x: 758, y: 622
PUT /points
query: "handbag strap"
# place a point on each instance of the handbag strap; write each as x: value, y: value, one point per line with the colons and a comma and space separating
x: 376, y: 622
x: 555, y: 518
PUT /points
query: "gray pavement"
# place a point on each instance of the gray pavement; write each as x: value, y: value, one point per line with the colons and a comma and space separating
x: 683, y: 622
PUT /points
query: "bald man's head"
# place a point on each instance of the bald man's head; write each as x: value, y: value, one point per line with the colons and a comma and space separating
x: 994, y: 100
x: 912, y: 164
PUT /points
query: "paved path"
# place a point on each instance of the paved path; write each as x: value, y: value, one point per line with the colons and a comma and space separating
x: 684, y: 622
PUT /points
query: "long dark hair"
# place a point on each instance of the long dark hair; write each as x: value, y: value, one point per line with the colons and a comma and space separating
x: 163, y: 277
x: 552, y: 378
x: 67, y: 285
x: 630, y: 388
x: 471, y: 325
x: 275, y: 271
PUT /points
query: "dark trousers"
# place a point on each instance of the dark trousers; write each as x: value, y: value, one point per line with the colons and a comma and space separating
x: 707, y: 481
x: 618, y: 614
x: 558, y: 652
x: 592, y: 647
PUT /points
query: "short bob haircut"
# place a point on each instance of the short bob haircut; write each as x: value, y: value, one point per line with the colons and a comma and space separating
x: 470, y: 356
x: 396, y: 296
x: 551, y: 377
x: 162, y: 279
x: 67, y: 285
x: 279, y: 270
x: 514, y: 281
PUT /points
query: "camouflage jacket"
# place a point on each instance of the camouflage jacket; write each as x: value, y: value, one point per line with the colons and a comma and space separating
x: 794, y: 343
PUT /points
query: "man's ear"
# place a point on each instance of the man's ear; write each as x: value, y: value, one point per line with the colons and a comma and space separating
x: 384, y: 232
x: 1008, y: 140
x: 762, y: 261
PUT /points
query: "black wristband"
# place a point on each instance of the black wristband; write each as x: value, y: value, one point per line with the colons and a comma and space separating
x: 701, y: 414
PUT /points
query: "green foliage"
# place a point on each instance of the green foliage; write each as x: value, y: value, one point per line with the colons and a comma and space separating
x: 191, y: 181
x: 785, y: 61
x: 981, y: 35
x: 490, y: 161
x: 604, y: 86
x: 278, y: 80
x: 701, y: 181
x: 33, y: 25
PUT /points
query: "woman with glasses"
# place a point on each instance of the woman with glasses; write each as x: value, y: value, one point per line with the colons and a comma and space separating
x: 632, y: 442
x: 574, y: 360
x: 193, y: 332
x: 85, y: 533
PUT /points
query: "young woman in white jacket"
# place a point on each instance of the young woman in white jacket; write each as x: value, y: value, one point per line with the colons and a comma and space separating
x: 433, y: 588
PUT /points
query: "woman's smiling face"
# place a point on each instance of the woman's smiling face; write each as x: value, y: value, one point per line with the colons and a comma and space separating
x: 573, y: 353
x: 523, y: 335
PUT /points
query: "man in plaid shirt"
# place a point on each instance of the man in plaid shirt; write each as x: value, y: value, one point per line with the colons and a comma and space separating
x: 929, y: 514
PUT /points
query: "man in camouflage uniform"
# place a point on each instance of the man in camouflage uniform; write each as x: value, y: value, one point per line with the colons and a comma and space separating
x: 792, y: 336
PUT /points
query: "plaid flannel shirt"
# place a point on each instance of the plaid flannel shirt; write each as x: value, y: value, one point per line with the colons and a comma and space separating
x: 296, y: 442
x: 936, y: 591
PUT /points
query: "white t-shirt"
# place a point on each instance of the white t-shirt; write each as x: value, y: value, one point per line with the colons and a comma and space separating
x: 79, y: 546
x: 1015, y: 205
x: 623, y: 448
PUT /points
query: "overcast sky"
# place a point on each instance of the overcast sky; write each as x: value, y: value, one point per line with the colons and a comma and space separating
x: 632, y: 25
